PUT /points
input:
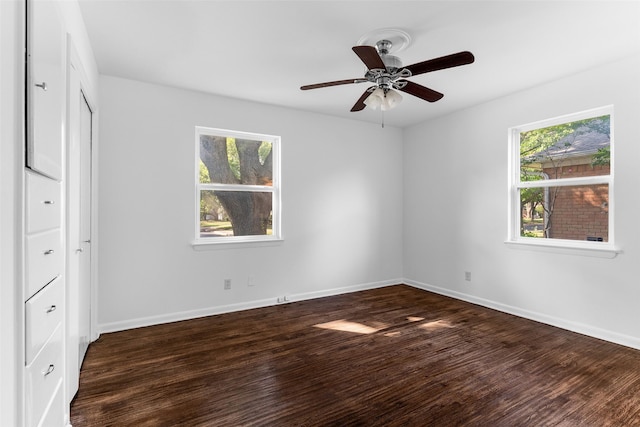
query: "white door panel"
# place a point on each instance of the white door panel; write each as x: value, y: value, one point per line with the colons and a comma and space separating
x: 78, y: 231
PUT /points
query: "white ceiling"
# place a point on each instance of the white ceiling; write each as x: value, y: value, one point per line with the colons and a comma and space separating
x: 265, y: 50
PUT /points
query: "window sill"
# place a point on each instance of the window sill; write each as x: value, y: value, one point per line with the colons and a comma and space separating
x: 200, y: 245
x: 566, y: 247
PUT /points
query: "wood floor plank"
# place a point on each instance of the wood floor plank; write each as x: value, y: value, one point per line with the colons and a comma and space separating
x: 395, y: 356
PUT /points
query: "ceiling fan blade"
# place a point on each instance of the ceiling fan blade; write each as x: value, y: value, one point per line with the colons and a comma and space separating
x: 369, y: 55
x: 360, y: 105
x: 448, y: 61
x: 420, y: 91
x: 334, y: 83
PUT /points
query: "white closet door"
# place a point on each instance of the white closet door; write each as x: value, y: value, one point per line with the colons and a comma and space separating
x: 78, y: 229
x: 74, y: 247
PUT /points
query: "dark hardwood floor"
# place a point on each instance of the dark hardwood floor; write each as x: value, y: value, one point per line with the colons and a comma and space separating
x: 395, y: 356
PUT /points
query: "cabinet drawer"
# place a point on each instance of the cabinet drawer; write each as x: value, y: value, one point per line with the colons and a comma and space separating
x: 54, y: 413
x: 44, y: 375
x: 43, y: 203
x: 44, y: 312
x: 44, y: 259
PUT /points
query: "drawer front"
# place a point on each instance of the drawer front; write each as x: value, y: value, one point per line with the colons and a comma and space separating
x: 44, y: 259
x: 44, y: 312
x: 44, y: 375
x: 44, y: 203
x: 54, y: 413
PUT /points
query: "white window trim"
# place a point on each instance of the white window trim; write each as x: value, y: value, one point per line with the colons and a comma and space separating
x: 200, y: 243
x: 574, y: 247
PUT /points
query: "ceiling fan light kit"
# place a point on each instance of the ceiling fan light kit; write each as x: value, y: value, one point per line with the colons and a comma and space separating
x: 385, y: 100
x: 386, y: 72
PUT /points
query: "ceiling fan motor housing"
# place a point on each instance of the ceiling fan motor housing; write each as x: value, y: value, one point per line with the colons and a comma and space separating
x: 385, y: 78
x: 392, y: 62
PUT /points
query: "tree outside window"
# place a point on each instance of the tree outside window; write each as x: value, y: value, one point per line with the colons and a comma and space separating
x: 238, y: 194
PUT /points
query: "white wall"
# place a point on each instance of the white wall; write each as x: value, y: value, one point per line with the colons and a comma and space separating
x: 455, y: 210
x: 341, y: 198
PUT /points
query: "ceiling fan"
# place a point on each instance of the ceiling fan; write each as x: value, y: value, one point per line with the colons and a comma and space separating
x: 386, y: 73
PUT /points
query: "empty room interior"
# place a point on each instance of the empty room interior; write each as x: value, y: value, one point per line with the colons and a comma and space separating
x: 319, y: 213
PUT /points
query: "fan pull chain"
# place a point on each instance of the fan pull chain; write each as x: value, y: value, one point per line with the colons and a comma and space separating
x: 382, y: 113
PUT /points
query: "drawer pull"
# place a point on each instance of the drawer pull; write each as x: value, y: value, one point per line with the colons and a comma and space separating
x: 49, y: 252
x: 51, y: 309
x: 49, y: 370
x: 42, y: 85
x: 49, y: 202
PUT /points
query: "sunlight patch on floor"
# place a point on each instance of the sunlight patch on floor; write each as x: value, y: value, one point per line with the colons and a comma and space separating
x: 348, y: 326
x: 345, y: 325
x: 437, y: 324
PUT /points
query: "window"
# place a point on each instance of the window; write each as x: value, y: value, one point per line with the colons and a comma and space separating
x: 237, y: 186
x: 562, y: 180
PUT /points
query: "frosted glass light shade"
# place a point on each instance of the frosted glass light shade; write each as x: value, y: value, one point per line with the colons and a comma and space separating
x: 392, y: 99
x: 375, y: 100
x: 385, y: 101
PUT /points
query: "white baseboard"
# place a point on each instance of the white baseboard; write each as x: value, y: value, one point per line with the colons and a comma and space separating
x: 229, y: 308
x: 581, y: 328
x: 344, y: 290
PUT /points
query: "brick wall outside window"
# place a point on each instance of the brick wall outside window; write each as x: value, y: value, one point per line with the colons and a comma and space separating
x: 580, y: 212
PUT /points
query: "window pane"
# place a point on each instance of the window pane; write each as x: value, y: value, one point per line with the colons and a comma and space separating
x: 235, y: 213
x: 226, y: 160
x: 569, y: 150
x: 572, y: 212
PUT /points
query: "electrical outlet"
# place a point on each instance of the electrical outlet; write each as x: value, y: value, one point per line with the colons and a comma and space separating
x: 467, y: 276
x: 283, y: 299
x: 251, y: 280
x: 227, y: 283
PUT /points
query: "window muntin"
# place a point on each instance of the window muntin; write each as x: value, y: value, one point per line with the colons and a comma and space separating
x: 237, y: 186
x: 561, y: 180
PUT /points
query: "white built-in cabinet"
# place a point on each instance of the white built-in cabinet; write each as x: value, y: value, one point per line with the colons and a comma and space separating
x: 45, y: 83
x: 57, y: 217
x: 44, y: 248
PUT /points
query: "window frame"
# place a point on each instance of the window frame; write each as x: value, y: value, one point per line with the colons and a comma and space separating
x: 274, y: 189
x: 586, y: 247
